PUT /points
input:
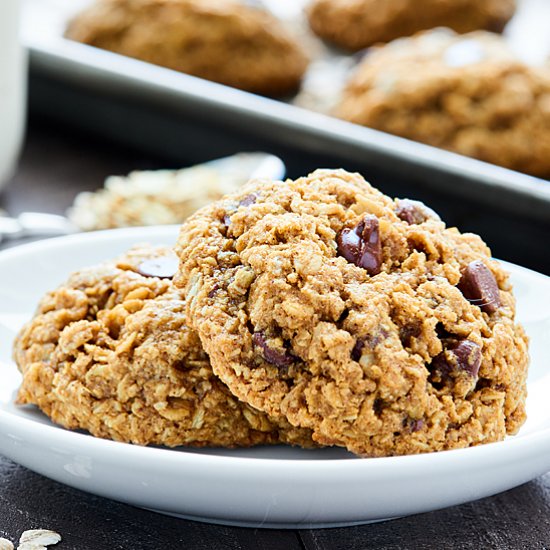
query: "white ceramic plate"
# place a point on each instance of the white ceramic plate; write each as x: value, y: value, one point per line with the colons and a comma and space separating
x: 269, y: 486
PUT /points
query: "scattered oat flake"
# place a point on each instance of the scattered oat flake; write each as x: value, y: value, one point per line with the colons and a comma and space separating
x: 38, y: 539
x: 5, y: 544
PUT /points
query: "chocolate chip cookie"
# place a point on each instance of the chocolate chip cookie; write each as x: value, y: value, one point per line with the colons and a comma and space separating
x: 466, y: 93
x: 226, y: 41
x: 363, y: 318
x: 358, y: 24
x: 109, y: 352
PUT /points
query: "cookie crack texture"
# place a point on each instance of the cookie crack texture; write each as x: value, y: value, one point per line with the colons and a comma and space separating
x: 381, y: 361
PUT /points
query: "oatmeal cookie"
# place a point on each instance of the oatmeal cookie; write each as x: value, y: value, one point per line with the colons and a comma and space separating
x: 225, y: 41
x: 358, y: 24
x: 466, y: 93
x: 110, y: 352
x: 363, y: 318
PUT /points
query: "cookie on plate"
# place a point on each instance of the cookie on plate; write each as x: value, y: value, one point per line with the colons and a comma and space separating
x: 363, y: 318
x: 465, y: 93
x: 358, y: 24
x: 226, y: 41
x: 109, y: 352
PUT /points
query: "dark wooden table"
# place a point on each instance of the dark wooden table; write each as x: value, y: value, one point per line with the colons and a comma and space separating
x: 56, y: 164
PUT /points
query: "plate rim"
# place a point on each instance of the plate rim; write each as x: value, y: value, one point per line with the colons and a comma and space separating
x: 61, y: 434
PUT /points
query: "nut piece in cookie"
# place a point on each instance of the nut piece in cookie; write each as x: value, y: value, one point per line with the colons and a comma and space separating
x: 358, y: 24
x: 467, y: 94
x: 362, y: 318
x: 110, y: 352
x: 225, y: 41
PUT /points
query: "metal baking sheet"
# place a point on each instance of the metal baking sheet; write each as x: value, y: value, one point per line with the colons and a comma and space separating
x: 183, y: 117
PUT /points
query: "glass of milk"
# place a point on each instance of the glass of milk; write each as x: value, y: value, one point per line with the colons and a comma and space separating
x: 12, y: 87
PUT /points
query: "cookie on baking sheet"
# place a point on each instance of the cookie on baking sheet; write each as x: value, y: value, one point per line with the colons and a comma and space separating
x: 110, y: 352
x: 360, y: 317
x: 226, y: 41
x: 464, y: 93
x: 358, y: 24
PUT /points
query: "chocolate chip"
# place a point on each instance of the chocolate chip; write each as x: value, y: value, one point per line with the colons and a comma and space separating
x: 214, y: 290
x: 372, y: 340
x: 440, y: 365
x: 272, y: 356
x: 379, y: 337
x: 361, y: 245
x: 357, y: 350
x: 413, y: 425
x: 414, y: 212
x: 468, y: 356
x: 416, y: 425
x: 462, y: 356
x: 164, y: 267
x: 408, y: 332
x: 248, y: 200
x: 478, y: 285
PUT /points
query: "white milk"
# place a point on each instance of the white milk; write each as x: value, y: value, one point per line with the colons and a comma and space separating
x: 12, y: 86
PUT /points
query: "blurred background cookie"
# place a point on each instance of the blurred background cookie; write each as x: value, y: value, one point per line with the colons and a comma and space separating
x: 225, y: 41
x: 357, y: 24
x: 465, y: 93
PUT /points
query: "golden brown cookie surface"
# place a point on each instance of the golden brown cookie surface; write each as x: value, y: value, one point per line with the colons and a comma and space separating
x: 358, y: 24
x: 225, y: 40
x: 466, y: 93
x: 110, y: 352
x: 362, y: 318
